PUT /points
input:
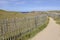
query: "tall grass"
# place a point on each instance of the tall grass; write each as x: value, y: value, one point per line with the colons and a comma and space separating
x: 17, y: 26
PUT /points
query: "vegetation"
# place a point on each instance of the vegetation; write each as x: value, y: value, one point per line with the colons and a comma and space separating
x: 16, y: 25
x: 34, y: 32
x: 57, y: 20
x: 55, y: 15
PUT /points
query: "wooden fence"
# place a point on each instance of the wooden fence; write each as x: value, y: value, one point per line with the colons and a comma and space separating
x: 12, y: 28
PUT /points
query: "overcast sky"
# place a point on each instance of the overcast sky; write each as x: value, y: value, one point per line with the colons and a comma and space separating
x: 29, y: 5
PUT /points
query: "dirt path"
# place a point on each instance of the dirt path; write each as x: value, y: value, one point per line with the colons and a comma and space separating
x: 51, y: 32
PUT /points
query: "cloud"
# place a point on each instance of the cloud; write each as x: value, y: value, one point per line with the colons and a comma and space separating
x: 13, y: 0
x: 2, y: 2
x: 21, y: 2
x: 36, y: 1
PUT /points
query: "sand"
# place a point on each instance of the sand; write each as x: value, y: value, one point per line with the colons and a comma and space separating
x: 51, y: 32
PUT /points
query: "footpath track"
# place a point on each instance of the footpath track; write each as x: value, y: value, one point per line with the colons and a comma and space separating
x: 51, y: 32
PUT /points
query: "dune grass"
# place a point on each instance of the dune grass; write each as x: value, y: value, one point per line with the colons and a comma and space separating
x: 10, y: 15
x: 31, y: 34
x: 57, y: 20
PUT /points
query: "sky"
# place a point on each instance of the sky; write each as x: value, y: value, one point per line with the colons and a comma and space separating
x: 30, y: 5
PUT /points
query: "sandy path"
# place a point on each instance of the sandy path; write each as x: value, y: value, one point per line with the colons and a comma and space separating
x: 51, y: 32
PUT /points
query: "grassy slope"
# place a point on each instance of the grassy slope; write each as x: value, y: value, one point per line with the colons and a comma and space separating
x: 6, y: 14
x: 9, y: 15
x: 57, y: 20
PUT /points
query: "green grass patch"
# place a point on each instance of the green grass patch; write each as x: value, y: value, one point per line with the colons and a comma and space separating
x: 57, y: 20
